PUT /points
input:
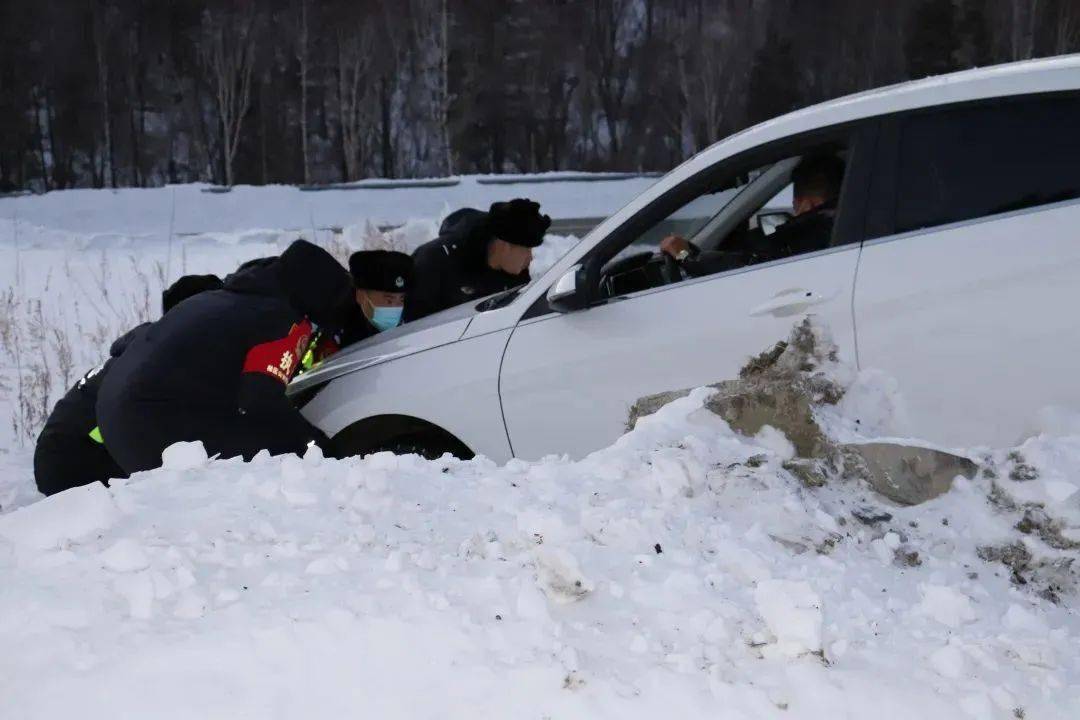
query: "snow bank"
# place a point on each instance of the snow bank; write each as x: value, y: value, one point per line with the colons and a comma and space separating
x: 192, y: 208
x: 71, y: 515
x: 680, y: 573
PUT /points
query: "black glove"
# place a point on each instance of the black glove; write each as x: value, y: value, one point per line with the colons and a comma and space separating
x: 518, y: 222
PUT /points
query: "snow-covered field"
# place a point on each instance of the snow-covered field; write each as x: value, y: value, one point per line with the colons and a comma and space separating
x: 682, y: 572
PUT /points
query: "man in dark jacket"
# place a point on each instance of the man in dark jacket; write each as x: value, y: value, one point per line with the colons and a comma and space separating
x: 69, y: 450
x: 476, y: 254
x: 215, y: 368
x: 816, y: 185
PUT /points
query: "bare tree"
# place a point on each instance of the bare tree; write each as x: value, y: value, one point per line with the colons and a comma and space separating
x: 101, y: 45
x: 302, y: 56
x: 1025, y: 15
x: 706, y: 63
x: 443, y: 102
x: 227, y: 53
x: 391, y: 61
x: 609, y: 53
x: 1067, y: 27
x: 431, y: 41
x: 352, y: 71
x: 136, y: 103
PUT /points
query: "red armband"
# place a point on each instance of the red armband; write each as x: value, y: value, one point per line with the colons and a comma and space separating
x: 280, y: 358
x: 325, y: 348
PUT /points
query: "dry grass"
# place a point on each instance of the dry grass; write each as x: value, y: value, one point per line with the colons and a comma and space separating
x: 49, y: 336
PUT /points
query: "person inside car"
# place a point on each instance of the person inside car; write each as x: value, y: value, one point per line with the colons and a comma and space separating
x: 816, y: 187
x: 476, y: 254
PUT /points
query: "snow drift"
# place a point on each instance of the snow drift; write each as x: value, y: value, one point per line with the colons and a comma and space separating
x: 682, y: 572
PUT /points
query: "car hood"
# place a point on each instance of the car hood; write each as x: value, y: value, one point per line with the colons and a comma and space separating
x: 439, y: 329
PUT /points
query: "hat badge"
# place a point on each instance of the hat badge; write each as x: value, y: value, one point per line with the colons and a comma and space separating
x: 399, y: 282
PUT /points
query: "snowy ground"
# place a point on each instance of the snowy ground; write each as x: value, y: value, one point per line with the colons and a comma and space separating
x: 681, y: 572
x: 670, y: 575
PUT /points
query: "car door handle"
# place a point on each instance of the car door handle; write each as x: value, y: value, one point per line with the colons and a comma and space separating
x: 790, y: 302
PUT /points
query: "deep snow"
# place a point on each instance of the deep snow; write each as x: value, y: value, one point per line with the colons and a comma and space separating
x: 679, y: 573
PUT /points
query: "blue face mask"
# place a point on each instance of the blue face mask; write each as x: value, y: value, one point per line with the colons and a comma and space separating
x: 384, y: 318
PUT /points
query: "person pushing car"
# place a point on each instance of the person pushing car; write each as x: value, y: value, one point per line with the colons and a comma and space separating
x: 382, y: 280
x: 476, y: 254
x: 69, y: 450
x: 215, y: 368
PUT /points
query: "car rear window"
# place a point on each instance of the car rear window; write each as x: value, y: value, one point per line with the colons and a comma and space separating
x: 973, y: 161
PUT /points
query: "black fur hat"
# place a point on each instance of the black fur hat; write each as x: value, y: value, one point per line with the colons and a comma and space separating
x: 383, y: 270
x: 518, y: 222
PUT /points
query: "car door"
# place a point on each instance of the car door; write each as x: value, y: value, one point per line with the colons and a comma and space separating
x: 568, y: 380
x: 969, y: 295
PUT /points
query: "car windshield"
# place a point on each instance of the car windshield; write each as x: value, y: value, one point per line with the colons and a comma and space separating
x: 501, y: 300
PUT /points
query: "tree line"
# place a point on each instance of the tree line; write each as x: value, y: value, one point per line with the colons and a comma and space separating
x: 119, y: 93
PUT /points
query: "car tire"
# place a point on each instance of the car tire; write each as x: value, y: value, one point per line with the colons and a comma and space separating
x: 429, y: 447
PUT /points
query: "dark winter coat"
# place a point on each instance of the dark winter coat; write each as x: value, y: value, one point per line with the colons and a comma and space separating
x: 806, y: 233
x: 215, y: 368
x: 452, y: 269
x: 66, y: 455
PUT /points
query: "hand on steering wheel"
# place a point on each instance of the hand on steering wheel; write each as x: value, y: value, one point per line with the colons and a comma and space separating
x: 673, y: 248
x: 671, y: 271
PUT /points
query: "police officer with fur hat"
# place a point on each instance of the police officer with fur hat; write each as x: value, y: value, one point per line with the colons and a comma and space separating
x: 381, y: 279
x: 476, y: 254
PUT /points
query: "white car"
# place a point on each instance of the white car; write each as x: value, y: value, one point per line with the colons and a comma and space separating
x: 953, y: 265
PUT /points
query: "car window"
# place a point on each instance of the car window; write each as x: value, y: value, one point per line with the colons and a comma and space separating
x: 974, y: 161
x: 748, y: 219
x: 775, y: 212
x: 686, y: 221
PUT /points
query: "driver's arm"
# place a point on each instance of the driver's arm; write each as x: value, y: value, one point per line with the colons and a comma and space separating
x: 698, y: 263
x: 679, y: 247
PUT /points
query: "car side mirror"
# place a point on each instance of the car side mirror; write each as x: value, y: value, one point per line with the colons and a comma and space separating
x: 570, y: 291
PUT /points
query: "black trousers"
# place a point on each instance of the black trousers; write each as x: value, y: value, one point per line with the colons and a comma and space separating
x: 63, y: 461
x: 137, y: 434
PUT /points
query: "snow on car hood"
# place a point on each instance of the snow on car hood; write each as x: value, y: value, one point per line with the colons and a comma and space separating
x: 439, y: 329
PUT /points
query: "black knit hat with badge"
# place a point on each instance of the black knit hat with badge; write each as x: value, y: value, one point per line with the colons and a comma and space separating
x: 382, y: 270
x: 518, y: 222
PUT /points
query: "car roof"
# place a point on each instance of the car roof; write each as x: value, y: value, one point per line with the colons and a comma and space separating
x: 1019, y: 78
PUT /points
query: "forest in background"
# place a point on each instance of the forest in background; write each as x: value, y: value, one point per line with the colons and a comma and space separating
x: 122, y: 93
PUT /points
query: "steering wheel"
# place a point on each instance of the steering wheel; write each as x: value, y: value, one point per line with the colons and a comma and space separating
x: 670, y: 271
